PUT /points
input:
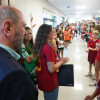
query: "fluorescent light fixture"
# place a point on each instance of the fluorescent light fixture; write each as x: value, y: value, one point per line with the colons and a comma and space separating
x: 81, y: 7
x: 79, y: 12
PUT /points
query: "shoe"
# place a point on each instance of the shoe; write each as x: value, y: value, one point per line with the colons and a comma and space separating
x: 88, y: 74
x: 94, y: 83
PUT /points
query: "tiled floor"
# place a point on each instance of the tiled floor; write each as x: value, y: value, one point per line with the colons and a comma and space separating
x: 78, y: 57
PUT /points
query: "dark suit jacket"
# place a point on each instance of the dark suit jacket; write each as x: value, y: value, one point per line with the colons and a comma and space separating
x: 15, y: 84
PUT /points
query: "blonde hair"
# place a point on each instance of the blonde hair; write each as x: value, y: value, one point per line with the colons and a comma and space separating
x: 96, y: 32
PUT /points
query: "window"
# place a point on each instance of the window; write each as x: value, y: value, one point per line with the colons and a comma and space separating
x: 62, y: 19
x: 50, y: 19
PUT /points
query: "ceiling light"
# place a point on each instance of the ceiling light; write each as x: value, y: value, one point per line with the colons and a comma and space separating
x: 81, y: 7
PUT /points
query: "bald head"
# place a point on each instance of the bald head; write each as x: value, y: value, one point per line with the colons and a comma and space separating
x: 9, y: 13
x: 11, y: 27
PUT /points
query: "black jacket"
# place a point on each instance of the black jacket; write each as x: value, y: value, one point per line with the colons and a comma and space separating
x: 15, y: 84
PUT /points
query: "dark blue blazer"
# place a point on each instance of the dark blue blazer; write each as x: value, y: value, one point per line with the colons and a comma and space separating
x: 15, y: 84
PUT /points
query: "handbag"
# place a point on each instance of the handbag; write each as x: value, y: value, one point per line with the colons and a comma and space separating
x: 66, y: 75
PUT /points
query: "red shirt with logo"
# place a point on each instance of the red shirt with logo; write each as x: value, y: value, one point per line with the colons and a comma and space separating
x: 46, y: 81
x: 92, y: 54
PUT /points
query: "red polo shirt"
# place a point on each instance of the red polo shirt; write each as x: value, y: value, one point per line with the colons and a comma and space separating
x: 92, y: 54
x: 46, y: 81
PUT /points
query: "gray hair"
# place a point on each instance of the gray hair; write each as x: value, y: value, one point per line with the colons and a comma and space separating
x: 8, y: 13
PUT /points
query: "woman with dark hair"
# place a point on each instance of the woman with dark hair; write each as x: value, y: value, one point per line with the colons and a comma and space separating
x: 47, y: 63
x: 25, y: 52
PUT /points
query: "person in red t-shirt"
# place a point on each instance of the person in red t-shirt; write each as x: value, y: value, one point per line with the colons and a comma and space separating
x: 97, y: 62
x: 47, y: 63
x: 92, y: 51
x: 83, y: 32
x: 92, y: 29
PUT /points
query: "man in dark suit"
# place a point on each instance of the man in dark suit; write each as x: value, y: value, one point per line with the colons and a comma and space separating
x: 15, y: 84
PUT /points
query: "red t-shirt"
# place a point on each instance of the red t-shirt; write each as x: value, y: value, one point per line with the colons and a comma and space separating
x: 92, y: 54
x: 46, y: 81
x: 98, y: 54
x: 91, y: 35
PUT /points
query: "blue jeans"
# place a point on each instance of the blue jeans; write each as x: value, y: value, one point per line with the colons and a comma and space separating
x: 51, y: 95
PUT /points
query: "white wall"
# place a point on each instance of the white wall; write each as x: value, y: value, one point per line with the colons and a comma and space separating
x: 35, y: 8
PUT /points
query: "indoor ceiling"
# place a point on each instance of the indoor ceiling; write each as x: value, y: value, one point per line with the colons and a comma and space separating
x: 74, y: 7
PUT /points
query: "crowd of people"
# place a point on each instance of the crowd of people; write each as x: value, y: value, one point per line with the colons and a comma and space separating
x: 25, y: 64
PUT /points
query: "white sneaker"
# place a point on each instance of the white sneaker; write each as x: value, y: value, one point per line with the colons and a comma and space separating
x: 88, y: 74
x: 93, y: 83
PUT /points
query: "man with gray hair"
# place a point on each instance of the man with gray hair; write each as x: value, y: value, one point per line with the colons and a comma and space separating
x: 15, y: 84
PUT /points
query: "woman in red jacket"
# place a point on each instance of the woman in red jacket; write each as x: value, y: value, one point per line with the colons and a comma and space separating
x: 47, y: 63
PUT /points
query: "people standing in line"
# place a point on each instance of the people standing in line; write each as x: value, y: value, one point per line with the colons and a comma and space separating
x: 87, y: 36
x: 60, y: 45
x: 70, y: 29
x: 79, y: 27
x: 92, y: 28
x: 83, y: 32
x: 66, y: 36
x: 97, y: 67
x: 75, y: 29
x: 93, y: 24
x: 15, y: 83
x: 58, y: 29
x: 47, y: 65
x: 97, y: 90
x: 25, y: 52
x: 92, y: 51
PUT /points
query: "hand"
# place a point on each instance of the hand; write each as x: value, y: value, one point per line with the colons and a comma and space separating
x: 59, y: 59
x: 31, y: 56
x: 87, y: 50
x: 90, y: 48
x: 65, y: 60
x: 96, y: 49
x: 98, y: 45
x: 88, y: 98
